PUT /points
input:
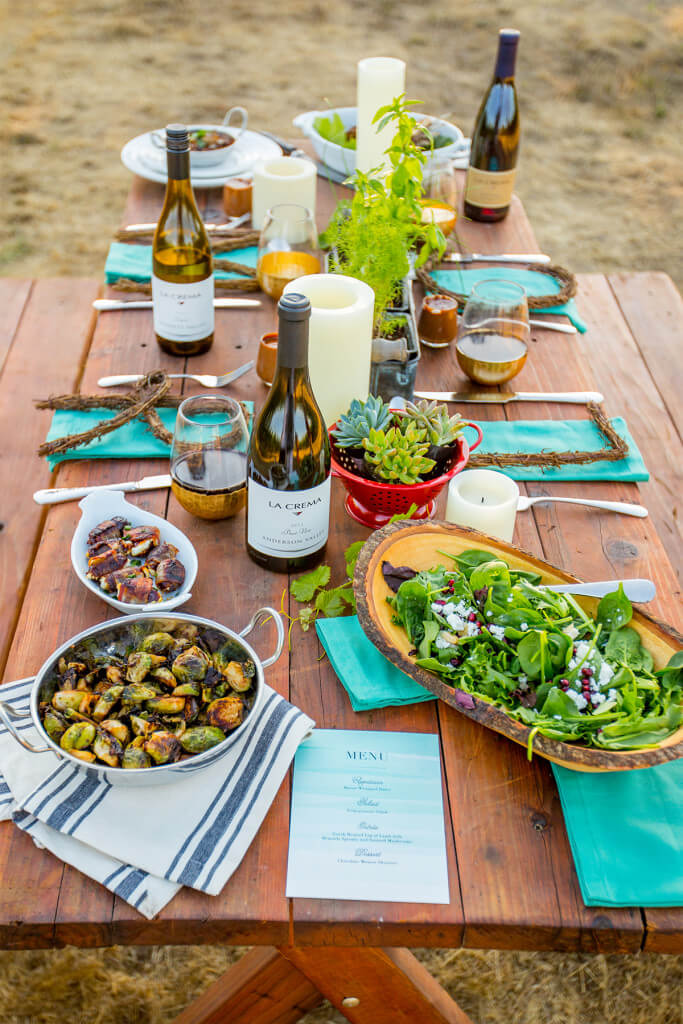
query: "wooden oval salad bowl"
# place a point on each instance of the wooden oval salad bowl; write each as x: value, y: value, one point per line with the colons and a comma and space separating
x: 418, y: 546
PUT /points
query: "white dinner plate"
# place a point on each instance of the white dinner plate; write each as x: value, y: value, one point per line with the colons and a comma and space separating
x: 142, y: 157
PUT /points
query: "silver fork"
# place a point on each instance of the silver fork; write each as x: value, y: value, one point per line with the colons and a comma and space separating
x: 207, y: 380
x: 626, y: 509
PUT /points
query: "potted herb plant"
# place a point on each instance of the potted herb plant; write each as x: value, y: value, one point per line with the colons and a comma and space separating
x: 373, y: 236
x: 390, y: 459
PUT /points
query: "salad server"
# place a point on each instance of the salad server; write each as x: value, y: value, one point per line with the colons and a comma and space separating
x: 624, y: 507
x: 635, y: 590
x: 572, y: 397
x: 53, y: 495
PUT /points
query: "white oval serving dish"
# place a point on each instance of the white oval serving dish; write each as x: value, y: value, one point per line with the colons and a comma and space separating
x: 103, y: 505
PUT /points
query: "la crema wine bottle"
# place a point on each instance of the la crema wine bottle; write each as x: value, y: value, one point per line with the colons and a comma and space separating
x: 182, y: 265
x: 288, y: 469
x: 495, y: 140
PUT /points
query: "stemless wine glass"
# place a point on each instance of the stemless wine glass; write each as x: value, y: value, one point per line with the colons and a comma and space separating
x: 493, y: 333
x: 209, y: 456
x: 287, y: 248
x: 440, y: 193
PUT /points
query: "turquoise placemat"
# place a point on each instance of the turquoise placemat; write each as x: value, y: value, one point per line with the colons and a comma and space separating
x: 135, y: 262
x: 369, y: 679
x: 561, y: 436
x: 133, y: 440
x: 462, y: 280
x: 626, y: 834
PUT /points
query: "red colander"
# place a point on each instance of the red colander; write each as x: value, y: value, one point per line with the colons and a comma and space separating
x: 373, y: 504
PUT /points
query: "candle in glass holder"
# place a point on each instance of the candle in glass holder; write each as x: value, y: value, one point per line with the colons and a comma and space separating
x: 286, y: 179
x: 380, y: 81
x: 485, y: 500
x: 340, y: 339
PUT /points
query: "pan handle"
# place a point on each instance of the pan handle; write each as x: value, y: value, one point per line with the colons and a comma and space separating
x: 262, y: 616
x: 7, y: 713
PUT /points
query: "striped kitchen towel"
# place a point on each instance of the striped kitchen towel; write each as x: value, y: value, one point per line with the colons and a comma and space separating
x: 144, y: 843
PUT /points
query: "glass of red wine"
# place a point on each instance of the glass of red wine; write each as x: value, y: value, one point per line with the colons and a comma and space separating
x: 209, y: 456
x: 493, y: 332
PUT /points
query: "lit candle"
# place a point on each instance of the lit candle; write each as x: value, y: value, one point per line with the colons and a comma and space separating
x: 287, y: 179
x: 340, y: 339
x: 484, y: 499
x: 380, y: 81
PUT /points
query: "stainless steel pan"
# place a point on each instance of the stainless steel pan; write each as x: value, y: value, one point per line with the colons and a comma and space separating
x: 161, y: 773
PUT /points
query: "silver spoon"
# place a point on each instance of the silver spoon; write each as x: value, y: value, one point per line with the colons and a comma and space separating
x: 207, y: 380
x: 626, y: 509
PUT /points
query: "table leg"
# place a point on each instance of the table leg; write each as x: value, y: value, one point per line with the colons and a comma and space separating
x: 376, y: 986
x: 261, y: 988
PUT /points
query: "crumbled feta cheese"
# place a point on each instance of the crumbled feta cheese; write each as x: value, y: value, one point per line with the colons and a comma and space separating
x: 489, y: 615
x: 463, y: 608
x: 571, y: 631
x: 455, y: 622
x: 448, y: 609
x: 497, y: 631
x: 524, y: 626
x: 558, y: 717
x: 472, y: 629
x: 612, y: 694
x: 442, y: 643
x: 438, y: 608
x: 606, y: 673
x: 597, y: 699
x: 578, y: 699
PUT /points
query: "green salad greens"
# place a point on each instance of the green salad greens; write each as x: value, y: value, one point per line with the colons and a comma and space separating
x: 496, y: 634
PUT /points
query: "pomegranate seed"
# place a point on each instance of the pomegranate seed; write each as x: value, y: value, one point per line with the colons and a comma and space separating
x: 472, y: 617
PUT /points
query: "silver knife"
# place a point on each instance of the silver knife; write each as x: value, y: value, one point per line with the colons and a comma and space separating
x: 234, y: 222
x: 105, y: 305
x: 55, y: 494
x: 572, y: 397
x: 506, y: 257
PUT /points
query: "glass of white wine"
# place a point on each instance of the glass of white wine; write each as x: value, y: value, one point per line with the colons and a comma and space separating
x: 209, y: 456
x: 493, y: 332
x: 288, y: 248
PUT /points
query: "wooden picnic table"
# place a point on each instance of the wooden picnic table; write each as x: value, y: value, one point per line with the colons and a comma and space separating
x: 512, y: 878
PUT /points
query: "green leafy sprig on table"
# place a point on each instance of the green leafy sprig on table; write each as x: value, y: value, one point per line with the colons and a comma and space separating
x: 318, y: 598
x: 538, y: 655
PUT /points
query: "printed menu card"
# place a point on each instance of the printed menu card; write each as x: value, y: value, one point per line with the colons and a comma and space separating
x: 367, y: 818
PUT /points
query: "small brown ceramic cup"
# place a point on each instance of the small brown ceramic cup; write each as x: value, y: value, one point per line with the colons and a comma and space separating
x: 237, y: 196
x: 266, y: 360
x: 438, y: 323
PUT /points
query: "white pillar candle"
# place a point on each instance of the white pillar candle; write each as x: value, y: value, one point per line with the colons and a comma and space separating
x: 340, y: 339
x: 286, y: 179
x: 380, y: 81
x: 485, y: 500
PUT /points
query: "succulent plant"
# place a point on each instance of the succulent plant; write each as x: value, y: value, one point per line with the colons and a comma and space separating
x: 398, y: 456
x: 362, y: 417
x: 441, y: 428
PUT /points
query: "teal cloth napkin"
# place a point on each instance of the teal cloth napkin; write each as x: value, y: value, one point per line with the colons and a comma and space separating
x: 133, y: 440
x: 626, y: 834
x: 369, y: 679
x: 561, y: 436
x: 135, y: 262
x: 462, y: 280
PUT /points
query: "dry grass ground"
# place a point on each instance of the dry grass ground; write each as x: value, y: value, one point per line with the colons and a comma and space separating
x: 602, y: 104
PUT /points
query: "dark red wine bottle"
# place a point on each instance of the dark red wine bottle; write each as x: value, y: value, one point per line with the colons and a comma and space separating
x: 495, y: 140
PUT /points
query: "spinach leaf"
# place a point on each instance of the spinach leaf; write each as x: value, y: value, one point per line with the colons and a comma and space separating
x: 531, y: 577
x: 468, y: 561
x: 615, y: 609
x: 488, y: 573
x: 671, y: 676
x: 431, y: 631
x: 624, y: 646
x: 411, y: 603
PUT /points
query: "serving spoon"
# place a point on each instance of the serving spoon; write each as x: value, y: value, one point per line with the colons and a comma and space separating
x: 624, y: 507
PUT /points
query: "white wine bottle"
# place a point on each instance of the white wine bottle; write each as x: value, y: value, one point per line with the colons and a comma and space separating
x: 495, y: 140
x: 182, y: 266
x: 288, y: 469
